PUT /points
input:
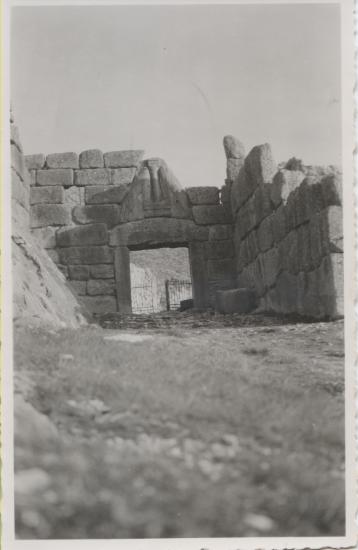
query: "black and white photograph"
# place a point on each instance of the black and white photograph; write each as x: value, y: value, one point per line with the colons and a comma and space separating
x: 178, y: 275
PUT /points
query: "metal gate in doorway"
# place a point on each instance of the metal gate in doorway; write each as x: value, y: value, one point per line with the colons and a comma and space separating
x: 175, y: 291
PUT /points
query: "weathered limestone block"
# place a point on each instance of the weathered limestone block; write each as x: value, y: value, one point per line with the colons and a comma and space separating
x: 100, y: 287
x: 279, y: 224
x: 305, y: 254
x: 220, y: 232
x: 101, y: 304
x: 59, y: 176
x: 252, y: 245
x: 35, y: 162
x: 241, y: 189
x: 121, y: 176
x: 203, y: 195
x: 243, y: 254
x: 219, y: 249
x: 45, y: 236
x: 258, y: 270
x: 74, y: 196
x: 233, y: 167
x: 102, y: 271
x: 42, y: 215
x: 91, y: 234
x: 180, y: 207
x: 260, y: 165
x: 210, y: 214
x: 123, y: 159
x: 86, y: 255
x: 62, y: 160
x: 332, y: 190
x: 221, y: 269
x: 106, y: 213
x: 270, y: 266
x: 233, y: 148
x: 32, y: 177
x: 311, y: 304
x: 262, y: 206
x: 238, y: 300
x: 51, y: 194
x: 157, y: 232
x: 79, y: 272
x: 79, y: 287
x: 225, y: 192
x: 284, y: 182
x: 105, y: 195
x: 160, y: 209
x: 92, y: 176
x: 286, y: 292
x: 92, y: 158
x: 18, y: 163
x: 265, y: 234
x: 288, y: 253
x: 199, y: 271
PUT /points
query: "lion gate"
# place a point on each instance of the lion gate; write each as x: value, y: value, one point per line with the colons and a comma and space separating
x: 275, y: 232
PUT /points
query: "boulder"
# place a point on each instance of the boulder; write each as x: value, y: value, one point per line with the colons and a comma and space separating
x: 233, y: 148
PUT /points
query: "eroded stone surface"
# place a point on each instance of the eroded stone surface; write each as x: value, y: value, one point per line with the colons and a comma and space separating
x: 92, y: 158
x: 62, y: 160
x: 123, y: 159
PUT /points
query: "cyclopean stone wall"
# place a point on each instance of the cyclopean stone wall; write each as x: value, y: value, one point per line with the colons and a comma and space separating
x: 288, y: 233
x: 90, y: 210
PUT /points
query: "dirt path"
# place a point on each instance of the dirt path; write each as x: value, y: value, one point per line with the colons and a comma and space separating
x: 207, y: 427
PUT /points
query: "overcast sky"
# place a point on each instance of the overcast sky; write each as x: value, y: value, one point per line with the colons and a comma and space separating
x: 173, y: 80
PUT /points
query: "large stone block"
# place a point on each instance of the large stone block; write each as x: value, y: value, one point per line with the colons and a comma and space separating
x: 92, y: 158
x: 331, y: 285
x: 284, y: 182
x: 260, y: 165
x: 252, y: 245
x: 203, y: 195
x: 288, y: 253
x: 210, y: 214
x: 331, y: 229
x: 62, y: 160
x: 60, y: 176
x: 221, y: 269
x: 100, y: 305
x: 123, y: 159
x: 157, y: 232
x: 74, y: 196
x: 92, y: 176
x: 238, y: 300
x: 265, y: 234
x: 269, y: 266
x: 102, y: 271
x: 219, y: 249
x: 45, y: 236
x: 94, y: 234
x: 279, y: 224
x: 262, y: 205
x: 101, y: 287
x: 79, y: 287
x: 241, y: 189
x: 179, y: 205
x: 305, y: 254
x: 79, y: 272
x: 220, y: 232
x: 243, y: 254
x: 286, y: 293
x: 234, y: 149
x: 86, y: 255
x: 105, y: 194
x: 233, y: 167
x: 42, y: 215
x: 106, y: 213
x: 123, y: 279
x: 35, y: 162
x: 121, y: 176
x: 51, y: 194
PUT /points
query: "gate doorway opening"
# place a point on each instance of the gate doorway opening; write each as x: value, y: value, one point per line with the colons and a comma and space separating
x: 160, y: 279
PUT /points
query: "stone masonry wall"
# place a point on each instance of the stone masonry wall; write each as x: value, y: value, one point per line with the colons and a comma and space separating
x: 288, y: 233
x: 88, y: 210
